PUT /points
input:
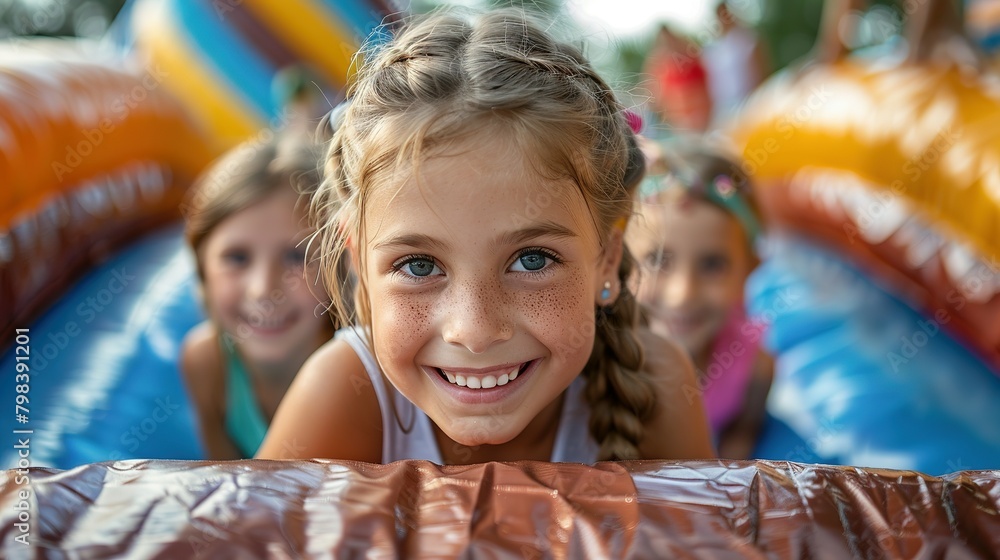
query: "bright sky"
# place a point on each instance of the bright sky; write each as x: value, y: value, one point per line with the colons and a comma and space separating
x: 624, y: 19
x: 631, y: 18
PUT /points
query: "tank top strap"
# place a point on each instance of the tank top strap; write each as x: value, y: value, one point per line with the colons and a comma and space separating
x: 244, y: 420
x: 401, y: 438
x: 574, y: 443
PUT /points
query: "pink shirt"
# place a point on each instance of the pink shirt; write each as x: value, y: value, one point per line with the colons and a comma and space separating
x: 730, y: 369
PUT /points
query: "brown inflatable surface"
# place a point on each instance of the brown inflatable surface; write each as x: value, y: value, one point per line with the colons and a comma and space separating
x: 321, y: 509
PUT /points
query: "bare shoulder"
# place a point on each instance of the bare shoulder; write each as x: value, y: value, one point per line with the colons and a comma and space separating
x: 205, y: 378
x: 330, y: 411
x: 678, y: 428
x: 664, y: 357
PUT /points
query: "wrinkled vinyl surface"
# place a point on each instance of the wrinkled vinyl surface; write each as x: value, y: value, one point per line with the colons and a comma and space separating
x: 322, y: 509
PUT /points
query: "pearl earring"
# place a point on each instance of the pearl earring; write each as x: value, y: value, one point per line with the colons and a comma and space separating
x: 606, y: 292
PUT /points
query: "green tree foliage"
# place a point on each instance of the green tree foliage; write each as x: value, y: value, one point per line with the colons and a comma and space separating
x: 56, y: 18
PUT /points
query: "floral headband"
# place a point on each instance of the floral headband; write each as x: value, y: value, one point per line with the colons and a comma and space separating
x: 721, y: 191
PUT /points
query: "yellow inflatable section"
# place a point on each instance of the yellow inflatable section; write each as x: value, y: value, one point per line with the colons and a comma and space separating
x: 929, y: 135
x: 226, y: 59
x: 222, y: 109
x: 898, y: 167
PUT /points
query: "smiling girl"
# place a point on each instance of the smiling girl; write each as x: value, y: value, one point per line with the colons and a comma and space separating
x: 246, y: 225
x: 479, y: 175
x: 695, y: 237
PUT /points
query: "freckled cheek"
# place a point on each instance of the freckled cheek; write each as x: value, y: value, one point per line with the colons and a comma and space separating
x: 403, y: 320
x: 561, y: 316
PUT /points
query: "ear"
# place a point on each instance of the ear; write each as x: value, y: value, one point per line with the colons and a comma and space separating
x: 607, y: 267
x: 350, y: 247
x: 351, y: 252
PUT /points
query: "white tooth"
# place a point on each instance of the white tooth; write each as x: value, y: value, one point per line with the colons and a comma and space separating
x: 460, y: 379
x: 489, y: 382
x: 451, y: 378
x: 513, y: 375
x: 473, y: 382
x: 503, y: 379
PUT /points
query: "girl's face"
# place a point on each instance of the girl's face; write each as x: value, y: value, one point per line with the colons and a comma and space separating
x: 255, y: 288
x: 483, y: 279
x: 693, y: 261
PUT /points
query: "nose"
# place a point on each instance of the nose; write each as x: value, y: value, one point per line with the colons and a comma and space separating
x: 678, y: 287
x: 263, y: 280
x: 477, y: 317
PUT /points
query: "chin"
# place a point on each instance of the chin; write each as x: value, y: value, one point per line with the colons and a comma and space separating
x: 481, y: 433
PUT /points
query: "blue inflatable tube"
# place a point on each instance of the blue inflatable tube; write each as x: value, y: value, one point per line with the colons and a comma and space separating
x: 104, y: 379
x: 861, y: 378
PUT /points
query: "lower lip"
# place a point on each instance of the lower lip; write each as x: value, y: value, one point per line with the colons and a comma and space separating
x: 465, y: 395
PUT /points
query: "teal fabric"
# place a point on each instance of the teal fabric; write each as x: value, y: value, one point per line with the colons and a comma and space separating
x: 245, y: 423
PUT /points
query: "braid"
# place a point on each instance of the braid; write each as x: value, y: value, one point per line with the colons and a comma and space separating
x: 619, y: 392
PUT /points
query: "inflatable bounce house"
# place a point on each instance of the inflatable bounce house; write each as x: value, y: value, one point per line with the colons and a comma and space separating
x: 881, y: 179
x: 100, y: 143
x: 882, y: 182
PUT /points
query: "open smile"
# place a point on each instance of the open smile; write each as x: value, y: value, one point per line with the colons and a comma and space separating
x: 482, y: 386
x: 483, y: 379
x: 269, y: 325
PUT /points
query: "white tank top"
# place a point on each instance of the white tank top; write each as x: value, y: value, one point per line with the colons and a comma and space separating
x: 573, y: 442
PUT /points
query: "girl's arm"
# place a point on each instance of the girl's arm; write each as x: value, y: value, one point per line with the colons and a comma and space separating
x: 678, y: 428
x: 201, y: 364
x: 330, y: 411
x: 740, y: 438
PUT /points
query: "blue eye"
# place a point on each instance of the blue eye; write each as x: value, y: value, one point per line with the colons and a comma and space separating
x: 417, y: 267
x: 236, y: 257
x: 533, y: 260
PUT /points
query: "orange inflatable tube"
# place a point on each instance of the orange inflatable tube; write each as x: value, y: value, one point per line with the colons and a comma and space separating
x: 90, y: 154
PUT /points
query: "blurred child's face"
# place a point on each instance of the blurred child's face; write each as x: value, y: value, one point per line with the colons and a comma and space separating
x: 255, y: 288
x: 483, y: 279
x: 694, y: 259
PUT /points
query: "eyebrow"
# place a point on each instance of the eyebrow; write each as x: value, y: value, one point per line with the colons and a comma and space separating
x: 411, y: 240
x: 543, y: 229
x: 517, y: 237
